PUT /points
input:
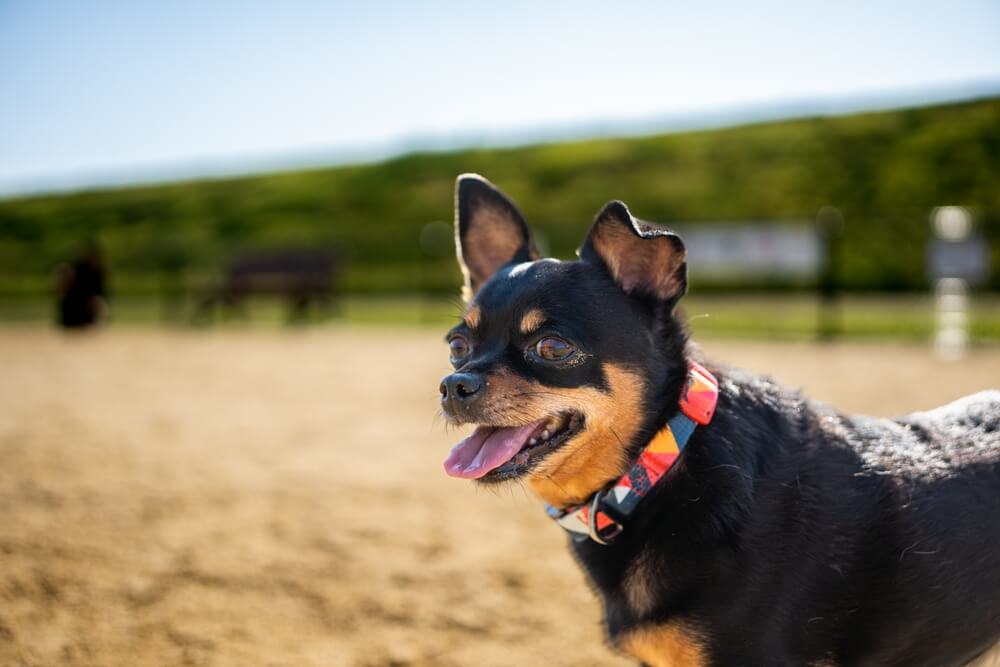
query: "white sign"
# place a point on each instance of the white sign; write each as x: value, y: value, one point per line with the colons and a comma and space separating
x: 748, y: 248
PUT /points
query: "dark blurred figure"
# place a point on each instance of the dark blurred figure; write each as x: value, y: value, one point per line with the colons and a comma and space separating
x: 81, y: 287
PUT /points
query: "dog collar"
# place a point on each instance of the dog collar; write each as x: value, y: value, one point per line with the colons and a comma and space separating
x: 601, y: 517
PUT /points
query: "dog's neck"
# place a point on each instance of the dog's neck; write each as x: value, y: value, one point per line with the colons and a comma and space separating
x: 601, y: 515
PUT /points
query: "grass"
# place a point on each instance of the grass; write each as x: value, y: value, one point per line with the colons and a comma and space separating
x: 905, y: 317
x: 858, y: 316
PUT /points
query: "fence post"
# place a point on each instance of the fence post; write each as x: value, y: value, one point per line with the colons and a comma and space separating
x: 829, y: 228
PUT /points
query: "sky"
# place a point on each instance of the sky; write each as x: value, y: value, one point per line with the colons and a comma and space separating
x: 103, y: 91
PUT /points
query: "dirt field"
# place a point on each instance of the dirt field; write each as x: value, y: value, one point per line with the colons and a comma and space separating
x: 277, y: 499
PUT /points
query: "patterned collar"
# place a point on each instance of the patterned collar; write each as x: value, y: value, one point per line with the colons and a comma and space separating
x: 601, y: 518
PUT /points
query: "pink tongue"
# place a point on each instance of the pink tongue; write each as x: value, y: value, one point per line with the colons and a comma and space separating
x: 487, y: 448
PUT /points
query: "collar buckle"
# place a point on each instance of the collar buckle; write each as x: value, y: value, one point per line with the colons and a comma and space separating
x: 611, y: 529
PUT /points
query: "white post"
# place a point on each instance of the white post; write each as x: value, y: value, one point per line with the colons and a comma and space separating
x: 951, y: 293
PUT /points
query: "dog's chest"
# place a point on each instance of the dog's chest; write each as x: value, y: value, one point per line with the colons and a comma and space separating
x: 663, y: 645
x: 674, y: 643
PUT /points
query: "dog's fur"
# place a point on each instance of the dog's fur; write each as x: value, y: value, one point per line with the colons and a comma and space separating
x: 787, y: 533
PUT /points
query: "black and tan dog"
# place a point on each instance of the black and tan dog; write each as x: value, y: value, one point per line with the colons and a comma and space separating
x: 781, y: 533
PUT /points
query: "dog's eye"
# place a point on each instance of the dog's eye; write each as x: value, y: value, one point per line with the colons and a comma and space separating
x: 551, y: 348
x: 458, y: 347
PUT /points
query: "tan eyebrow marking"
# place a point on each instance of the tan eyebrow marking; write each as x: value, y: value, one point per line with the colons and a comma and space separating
x: 531, y: 320
x: 472, y: 316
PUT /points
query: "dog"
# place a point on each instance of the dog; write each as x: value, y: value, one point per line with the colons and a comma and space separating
x: 721, y: 518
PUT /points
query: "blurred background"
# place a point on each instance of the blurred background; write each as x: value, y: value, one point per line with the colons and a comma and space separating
x: 248, y: 207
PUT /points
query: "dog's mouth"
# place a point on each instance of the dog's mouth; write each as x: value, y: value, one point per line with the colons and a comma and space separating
x: 497, y: 453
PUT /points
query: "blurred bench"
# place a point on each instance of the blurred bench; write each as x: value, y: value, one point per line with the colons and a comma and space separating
x: 305, y: 278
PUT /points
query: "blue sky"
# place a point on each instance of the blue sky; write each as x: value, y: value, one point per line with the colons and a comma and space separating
x: 101, y: 91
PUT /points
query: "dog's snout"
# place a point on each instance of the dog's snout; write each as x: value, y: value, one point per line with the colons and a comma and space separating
x: 460, y: 390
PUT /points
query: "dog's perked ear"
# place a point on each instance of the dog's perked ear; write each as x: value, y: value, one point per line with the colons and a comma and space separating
x: 490, y: 232
x: 641, y: 257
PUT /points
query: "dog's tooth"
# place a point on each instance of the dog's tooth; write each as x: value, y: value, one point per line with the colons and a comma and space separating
x: 546, y: 434
x: 533, y: 441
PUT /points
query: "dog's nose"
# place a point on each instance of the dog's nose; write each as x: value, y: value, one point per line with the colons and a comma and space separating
x: 460, y: 390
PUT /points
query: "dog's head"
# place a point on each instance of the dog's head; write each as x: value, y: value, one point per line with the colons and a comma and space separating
x: 564, y: 367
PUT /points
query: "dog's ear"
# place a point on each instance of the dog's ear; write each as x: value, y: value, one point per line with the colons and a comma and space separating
x: 490, y: 231
x: 641, y: 257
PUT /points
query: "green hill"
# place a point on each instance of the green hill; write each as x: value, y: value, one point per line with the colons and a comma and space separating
x: 884, y: 171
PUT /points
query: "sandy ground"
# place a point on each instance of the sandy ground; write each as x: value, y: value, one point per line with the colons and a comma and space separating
x: 254, y: 498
